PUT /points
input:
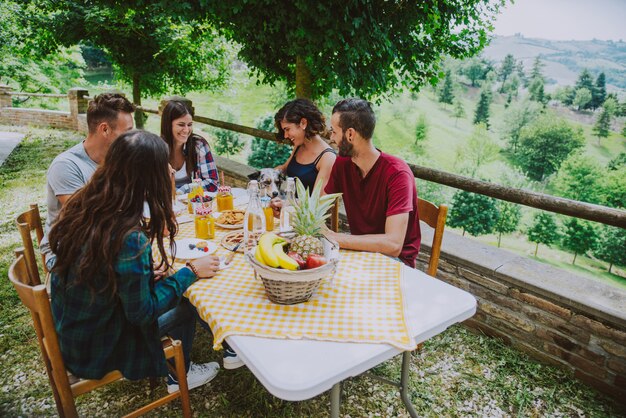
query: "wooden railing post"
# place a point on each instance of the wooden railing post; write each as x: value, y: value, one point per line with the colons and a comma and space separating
x: 5, y: 96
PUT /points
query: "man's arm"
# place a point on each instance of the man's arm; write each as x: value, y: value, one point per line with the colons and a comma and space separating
x: 390, y: 243
x: 63, y: 198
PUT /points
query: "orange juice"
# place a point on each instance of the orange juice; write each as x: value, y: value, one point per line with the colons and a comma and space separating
x: 204, y: 223
x: 269, y: 218
x: 224, y: 198
x: 201, y: 224
x: 224, y: 202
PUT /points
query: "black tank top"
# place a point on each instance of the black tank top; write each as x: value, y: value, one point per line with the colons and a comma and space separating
x: 307, y: 173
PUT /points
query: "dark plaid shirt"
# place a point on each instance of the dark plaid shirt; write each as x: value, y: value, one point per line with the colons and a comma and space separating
x: 98, y: 334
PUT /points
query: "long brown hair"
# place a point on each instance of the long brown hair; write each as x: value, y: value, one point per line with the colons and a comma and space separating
x: 173, y: 110
x: 95, y: 221
x: 297, y: 109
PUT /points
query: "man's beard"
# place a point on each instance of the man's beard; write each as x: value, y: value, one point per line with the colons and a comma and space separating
x: 346, y: 149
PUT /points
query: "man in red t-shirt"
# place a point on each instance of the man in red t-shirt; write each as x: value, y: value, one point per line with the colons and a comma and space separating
x: 378, y: 189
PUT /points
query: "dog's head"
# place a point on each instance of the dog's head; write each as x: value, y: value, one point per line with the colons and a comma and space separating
x: 269, y: 180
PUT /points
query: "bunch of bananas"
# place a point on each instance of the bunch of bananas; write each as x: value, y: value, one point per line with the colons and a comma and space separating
x: 270, y: 252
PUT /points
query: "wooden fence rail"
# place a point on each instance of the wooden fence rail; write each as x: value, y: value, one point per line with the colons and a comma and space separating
x: 591, y: 212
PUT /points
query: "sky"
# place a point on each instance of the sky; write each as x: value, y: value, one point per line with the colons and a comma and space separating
x: 564, y: 19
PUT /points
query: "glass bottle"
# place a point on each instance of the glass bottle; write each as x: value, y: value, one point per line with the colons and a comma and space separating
x: 224, y: 198
x: 288, y: 210
x: 254, y: 219
x: 268, y: 212
x: 195, y: 189
x: 204, y: 222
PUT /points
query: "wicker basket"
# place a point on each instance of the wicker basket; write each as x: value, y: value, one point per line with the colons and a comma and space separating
x: 288, y: 287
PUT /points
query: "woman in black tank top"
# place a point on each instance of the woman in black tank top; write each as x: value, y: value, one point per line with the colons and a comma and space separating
x: 302, y: 123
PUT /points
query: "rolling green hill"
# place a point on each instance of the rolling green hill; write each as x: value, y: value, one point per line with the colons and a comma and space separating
x: 564, y: 60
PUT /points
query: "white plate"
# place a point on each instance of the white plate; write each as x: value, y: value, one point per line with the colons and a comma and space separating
x: 183, y: 252
x: 226, y: 226
x: 184, y: 218
x: 177, y: 207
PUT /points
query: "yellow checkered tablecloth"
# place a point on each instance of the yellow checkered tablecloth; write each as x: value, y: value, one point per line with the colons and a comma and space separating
x: 363, y: 303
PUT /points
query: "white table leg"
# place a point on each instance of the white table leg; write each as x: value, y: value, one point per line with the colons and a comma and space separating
x: 335, y: 400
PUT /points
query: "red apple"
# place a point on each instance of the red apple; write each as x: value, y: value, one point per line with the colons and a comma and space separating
x: 314, y: 261
x: 298, y: 259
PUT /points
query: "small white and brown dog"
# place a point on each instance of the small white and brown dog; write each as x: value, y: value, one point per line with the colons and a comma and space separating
x: 269, y: 180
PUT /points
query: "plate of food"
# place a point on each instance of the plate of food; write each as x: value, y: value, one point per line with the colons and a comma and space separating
x: 232, y: 240
x: 229, y: 219
x: 192, y: 248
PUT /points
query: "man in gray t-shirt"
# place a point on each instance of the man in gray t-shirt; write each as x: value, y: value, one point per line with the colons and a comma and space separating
x: 108, y: 116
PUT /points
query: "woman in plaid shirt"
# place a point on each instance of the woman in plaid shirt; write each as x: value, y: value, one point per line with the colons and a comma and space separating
x: 109, y: 308
x: 190, y: 154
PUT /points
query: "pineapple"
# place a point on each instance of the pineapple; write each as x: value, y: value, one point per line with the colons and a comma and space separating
x: 308, y: 218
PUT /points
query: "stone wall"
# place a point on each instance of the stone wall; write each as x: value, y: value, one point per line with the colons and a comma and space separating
x: 74, y: 119
x: 554, y: 316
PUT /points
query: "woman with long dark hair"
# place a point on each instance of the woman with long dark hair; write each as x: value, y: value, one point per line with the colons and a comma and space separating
x: 108, y: 307
x: 302, y: 123
x: 190, y: 154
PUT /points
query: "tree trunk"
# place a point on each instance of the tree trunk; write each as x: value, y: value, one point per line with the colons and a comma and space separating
x: 574, y: 260
x: 536, y: 248
x: 303, y: 79
x: 610, y: 267
x: 499, y: 238
x: 139, y: 118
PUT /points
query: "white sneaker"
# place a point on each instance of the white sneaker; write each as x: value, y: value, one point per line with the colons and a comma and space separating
x: 231, y: 359
x: 197, y: 375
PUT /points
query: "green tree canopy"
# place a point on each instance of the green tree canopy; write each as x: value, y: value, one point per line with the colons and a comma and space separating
x: 475, y: 69
x: 267, y: 153
x: 446, y: 94
x: 544, y: 230
x: 599, y: 92
x: 579, y: 237
x: 421, y: 133
x: 537, y: 71
x: 475, y: 213
x: 584, y: 81
x: 614, y: 188
x: 509, y: 215
x: 579, y: 178
x: 545, y: 144
x: 506, y: 69
x: 582, y: 98
x: 458, y: 111
x: 479, y: 150
x: 227, y: 142
x: 359, y: 48
x: 611, y: 246
x: 516, y: 117
x: 481, y: 115
x: 26, y: 63
x: 602, y: 127
x: 153, y: 51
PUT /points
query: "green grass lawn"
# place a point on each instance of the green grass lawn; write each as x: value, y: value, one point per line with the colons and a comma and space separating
x: 458, y: 373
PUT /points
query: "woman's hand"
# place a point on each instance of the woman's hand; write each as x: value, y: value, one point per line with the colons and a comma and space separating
x: 276, y: 204
x: 206, y: 267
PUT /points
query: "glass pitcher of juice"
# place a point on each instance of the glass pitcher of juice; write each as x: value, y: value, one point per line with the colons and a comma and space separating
x: 195, y: 189
x: 224, y: 199
x: 268, y: 212
x: 204, y: 223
